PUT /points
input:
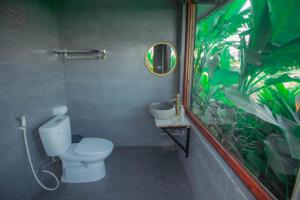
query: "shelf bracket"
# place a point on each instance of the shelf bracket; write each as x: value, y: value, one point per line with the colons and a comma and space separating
x: 186, y: 146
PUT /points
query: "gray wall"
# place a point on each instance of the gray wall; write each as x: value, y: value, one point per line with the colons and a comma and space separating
x: 110, y: 98
x: 105, y: 98
x: 210, y: 177
x: 31, y: 83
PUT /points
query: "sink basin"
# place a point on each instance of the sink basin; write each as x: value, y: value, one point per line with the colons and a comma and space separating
x: 162, y: 110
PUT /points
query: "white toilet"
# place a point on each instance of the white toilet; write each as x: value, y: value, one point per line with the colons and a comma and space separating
x: 82, y: 162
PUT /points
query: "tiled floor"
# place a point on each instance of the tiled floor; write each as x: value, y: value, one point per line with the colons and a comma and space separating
x: 133, y: 173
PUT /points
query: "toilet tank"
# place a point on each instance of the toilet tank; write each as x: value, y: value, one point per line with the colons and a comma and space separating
x: 56, y: 135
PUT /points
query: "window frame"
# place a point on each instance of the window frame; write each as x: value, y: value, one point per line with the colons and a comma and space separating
x: 255, y: 187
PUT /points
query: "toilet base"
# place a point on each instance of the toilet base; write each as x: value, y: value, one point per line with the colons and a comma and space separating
x: 82, y: 172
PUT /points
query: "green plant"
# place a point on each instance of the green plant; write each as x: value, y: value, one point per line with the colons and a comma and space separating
x: 246, y: 77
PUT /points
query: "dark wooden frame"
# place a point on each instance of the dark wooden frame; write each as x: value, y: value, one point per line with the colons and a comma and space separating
x: 257, y: 189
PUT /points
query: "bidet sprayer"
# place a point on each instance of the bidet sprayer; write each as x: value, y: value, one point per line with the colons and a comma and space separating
x: 23, y: 121
x: 23, y: 130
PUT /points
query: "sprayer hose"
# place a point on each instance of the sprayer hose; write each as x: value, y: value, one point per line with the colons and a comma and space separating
x: 23, y: 129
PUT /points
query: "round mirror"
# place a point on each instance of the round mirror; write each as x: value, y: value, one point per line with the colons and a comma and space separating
x: 161, y: 59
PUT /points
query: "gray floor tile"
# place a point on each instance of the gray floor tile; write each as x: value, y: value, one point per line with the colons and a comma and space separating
x: 133, y: 173
x: 127, y: 186
x: 152, y: 197
x: 102, y: 187
x: 127, y: 197
x: 103, y: 197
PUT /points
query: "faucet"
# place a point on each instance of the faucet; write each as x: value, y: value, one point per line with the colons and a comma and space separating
x: 177, y: 104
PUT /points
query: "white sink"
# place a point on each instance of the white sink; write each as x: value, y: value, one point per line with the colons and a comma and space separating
x: 162, y: 110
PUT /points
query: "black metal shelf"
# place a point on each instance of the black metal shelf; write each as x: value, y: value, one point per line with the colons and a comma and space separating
x: 184, y: 147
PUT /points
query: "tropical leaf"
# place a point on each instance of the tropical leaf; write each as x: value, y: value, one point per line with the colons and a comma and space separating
x: 284, y: 26
x: 284, y: 57
x: 244, y: 102
x: 261, y: 34
x: 291, y: 132
x: 274, y: 81
x: 281, y: 79
x: 225, y: 77
x: 280, y: 100
x: 281, y: 165
x: 254, y: 160
x: 225, y: 61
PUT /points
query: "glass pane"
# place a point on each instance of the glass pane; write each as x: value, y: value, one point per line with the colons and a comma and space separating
x: 246, y: 86
x: 204, y: 8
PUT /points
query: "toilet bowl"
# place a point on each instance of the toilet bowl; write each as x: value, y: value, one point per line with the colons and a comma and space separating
x: 84, y: 162
x: 81, y: 162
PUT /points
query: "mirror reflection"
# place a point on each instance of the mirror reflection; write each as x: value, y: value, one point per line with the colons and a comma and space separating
x: 161, y: 59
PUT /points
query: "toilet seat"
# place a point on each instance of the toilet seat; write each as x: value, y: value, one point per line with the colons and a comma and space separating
x: 93, y: 147
x: 88, y: 150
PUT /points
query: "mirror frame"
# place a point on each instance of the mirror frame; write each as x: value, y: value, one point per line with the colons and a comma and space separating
x: 148, y: 64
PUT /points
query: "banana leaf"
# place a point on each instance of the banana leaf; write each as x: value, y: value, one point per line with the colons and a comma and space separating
x: 281, y: 79
x: 283, y: 57
x: 284, y: 16
x: 291, y: 132
x: 254, y: 160
x: 280, y: 100
x: 281, y: 165
x: 225, y: 61
x: 292, y: 47
x: 244, y: 102
x: 274, y: 81
x: 225, y: 77
x: 261, y: 31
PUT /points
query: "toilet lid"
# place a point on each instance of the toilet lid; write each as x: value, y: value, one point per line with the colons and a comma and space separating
x: 93, y: 146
